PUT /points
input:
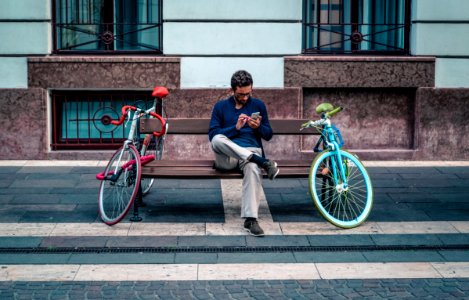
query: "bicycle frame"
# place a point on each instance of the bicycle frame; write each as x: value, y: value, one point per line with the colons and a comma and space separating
x: 121, y: 181
x: 339, y: 184
x: 329, y: 141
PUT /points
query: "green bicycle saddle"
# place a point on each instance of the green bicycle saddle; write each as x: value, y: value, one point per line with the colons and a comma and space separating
x: 324, y: 107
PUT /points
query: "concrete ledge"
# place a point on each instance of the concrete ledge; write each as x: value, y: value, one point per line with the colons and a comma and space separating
x: 348, y: 71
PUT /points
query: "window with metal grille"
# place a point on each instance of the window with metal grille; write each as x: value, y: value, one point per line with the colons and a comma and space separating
x: 356, y: 26
x: 82, y: 120
x: 107, y: 26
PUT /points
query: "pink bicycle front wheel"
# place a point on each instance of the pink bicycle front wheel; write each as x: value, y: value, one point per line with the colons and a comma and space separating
x: 119, y: 185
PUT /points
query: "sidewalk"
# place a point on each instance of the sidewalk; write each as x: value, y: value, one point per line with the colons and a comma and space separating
x: 417, y: 236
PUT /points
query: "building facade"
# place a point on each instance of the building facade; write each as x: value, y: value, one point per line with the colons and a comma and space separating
x: 399, y: 67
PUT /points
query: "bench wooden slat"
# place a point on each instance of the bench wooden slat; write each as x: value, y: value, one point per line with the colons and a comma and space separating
x: 204, y: 169
x: 201, y: 126
x: 205, y: 173
x: 209, y: 163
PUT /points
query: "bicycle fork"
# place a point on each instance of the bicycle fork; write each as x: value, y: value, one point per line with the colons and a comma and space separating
x: 338, y: 170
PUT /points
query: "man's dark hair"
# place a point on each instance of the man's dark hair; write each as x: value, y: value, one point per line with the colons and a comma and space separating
x: 241, y: 78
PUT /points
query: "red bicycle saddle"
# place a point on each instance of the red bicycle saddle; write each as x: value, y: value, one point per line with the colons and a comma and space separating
x: 160, y: 92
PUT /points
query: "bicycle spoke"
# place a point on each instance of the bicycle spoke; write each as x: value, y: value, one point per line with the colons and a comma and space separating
x: 345, y: 204
x: 116, y: 197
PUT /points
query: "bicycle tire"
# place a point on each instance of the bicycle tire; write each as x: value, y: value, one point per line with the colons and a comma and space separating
x: 343, y: 208
x: 116, y: 196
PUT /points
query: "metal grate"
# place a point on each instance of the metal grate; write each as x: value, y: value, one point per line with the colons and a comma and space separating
x: 356, y: 26
x: 107, y: 26
x: 209, y: 249
x: 81, y: 120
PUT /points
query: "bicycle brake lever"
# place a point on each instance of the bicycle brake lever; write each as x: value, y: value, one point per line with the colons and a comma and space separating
x: 128, y: 118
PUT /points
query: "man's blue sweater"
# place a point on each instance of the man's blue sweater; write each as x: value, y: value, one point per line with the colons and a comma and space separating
x: 225, y: 116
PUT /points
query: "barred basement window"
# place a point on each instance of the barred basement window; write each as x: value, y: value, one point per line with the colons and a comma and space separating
x: 82, y: 120
x: 103, y: 26
x: 356, y: 26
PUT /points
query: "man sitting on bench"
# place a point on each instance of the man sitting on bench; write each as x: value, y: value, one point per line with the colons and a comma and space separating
x: 237, y: 126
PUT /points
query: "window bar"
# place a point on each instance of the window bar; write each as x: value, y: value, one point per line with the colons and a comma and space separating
x: 89, y: 119
x: 54, y: 122
x: 385, y: 13
x: 148, y: 11
x: 65, y: 119
x: 66, y: 11
x: 395, y: 20
x: 102, y: 105
x: 318, y: 16
x: 90, y: 11
x: 407, y: 25
x: 354, y: 12
x: 78, y: 118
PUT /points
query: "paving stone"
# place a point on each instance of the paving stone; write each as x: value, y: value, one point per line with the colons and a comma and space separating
x: 196, y: 258
x: 141, y: 241
x: 282, y: 257
x: 46, y: 169
x: 36, y: 258
x: 212, y: 241
x: 397, y: 214
x: 329, y: 257
x: 9, y: 170
x: 455, y: 255
x: 403, y: 256
x: 19, y: 242
x: 37, y: 199
x: 5, y: 183
x: 59, y: 216
x: 279, y: 241
x: 406, y: 239
x: 73, y: 241
x: 38, y: 183
x: 454, y: 239
x: 119, y: 258
x: 341, y: 240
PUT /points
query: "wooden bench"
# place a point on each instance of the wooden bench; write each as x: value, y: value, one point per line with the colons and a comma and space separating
x: 191, y: 169
x: 203, y: 169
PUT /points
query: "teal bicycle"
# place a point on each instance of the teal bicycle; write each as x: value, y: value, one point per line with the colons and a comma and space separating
x: 339, y: 184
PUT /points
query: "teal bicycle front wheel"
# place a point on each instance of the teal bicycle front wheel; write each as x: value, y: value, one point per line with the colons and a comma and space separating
x: 343, y: 204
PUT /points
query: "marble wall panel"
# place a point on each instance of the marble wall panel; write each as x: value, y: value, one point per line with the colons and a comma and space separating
x: 443, y: 127
x: 371, y: 119
x: 198, y: 103
x: 23, y: 123
x: 103, y: 72
x: 337, y: 71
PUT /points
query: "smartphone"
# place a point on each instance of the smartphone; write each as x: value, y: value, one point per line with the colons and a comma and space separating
x: 255, y: 115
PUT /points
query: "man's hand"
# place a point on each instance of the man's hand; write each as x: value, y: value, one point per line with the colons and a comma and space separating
x: 254, y: 123
x: 242, y: 119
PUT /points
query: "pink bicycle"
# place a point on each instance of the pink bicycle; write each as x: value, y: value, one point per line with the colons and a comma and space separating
x: 121, y: 180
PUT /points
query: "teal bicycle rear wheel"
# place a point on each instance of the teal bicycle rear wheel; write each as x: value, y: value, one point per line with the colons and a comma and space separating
x: 345, y: 206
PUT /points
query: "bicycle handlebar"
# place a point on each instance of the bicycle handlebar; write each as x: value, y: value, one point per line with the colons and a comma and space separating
x: 323, y: 120
x: 124, y: 114
x: 334, y: 111
x: 153, y: 114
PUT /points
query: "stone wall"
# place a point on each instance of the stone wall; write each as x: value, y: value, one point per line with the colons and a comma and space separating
x: 392, y: 110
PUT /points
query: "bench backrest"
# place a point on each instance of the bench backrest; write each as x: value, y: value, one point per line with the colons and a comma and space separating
x: 201, y: 126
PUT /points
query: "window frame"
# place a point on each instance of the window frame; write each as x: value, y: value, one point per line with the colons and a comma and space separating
x: 55, y: 36
x: 354, y: 25
x: 82, y: 136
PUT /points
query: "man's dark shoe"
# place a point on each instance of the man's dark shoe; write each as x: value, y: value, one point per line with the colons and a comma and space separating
x: 252, y: 226
x: 271, y: 168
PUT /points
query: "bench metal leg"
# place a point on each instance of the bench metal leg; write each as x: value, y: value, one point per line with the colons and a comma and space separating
x: 137, y: 203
